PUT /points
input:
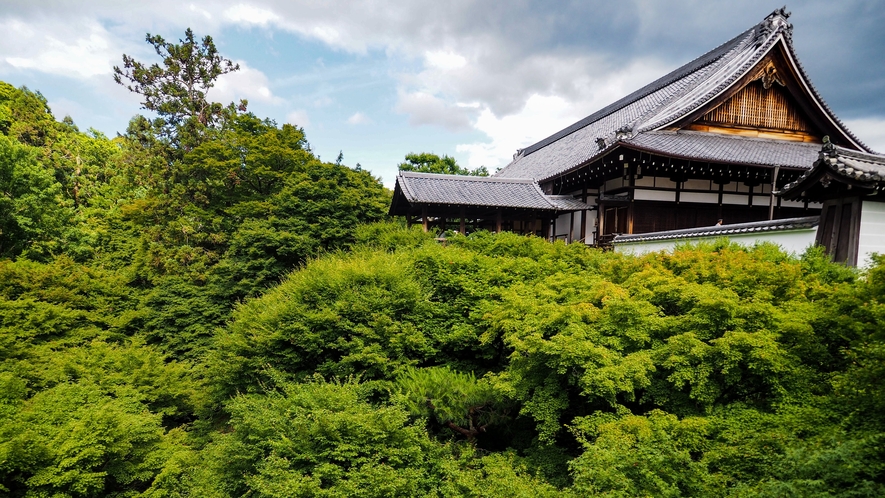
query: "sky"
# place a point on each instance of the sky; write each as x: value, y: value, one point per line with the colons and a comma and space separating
x: 476, y: 80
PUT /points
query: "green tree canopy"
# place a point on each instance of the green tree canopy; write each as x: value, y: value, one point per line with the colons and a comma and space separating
x: 426, y: 162
x: 177, y: 90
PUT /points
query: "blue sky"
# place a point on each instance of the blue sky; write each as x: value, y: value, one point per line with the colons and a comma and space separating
x: 475, y: 80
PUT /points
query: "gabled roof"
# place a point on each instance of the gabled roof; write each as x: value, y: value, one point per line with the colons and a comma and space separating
x: 666, y: 101
x: 722, y: 230
x: 861, y: 170
x: 477, y: 191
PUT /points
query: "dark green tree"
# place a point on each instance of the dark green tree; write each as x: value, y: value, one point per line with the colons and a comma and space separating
x: 177, y: 90
x: 426, y: 162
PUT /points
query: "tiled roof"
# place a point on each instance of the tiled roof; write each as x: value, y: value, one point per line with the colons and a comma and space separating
x: 429, y: 188
x: 660, y: 103
x: 863, y: 168
x: 722, y: 230
x: 716, y: 147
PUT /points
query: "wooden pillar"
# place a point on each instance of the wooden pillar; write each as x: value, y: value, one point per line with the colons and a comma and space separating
x: 424, y: 218
x: 773, y: 188
x: 571, y: 228
x: 584, y: 217
x: 498, y: 220
x: 442, y: 223
x: 630, y: 194
x: 600, y: 221
x: 463, y: 227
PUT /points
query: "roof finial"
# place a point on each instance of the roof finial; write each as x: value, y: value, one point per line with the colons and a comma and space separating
x: 600, y: 142
x: 772, y: 22
x: 829, y: 148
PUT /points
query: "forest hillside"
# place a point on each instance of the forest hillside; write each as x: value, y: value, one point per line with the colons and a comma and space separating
x: 224, y: 314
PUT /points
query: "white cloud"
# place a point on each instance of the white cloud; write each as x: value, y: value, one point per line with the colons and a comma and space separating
x: 247, y: 83
x: 426, y: 109
x: 242, y: 13
x: 58, y: 50
x: 358, y: 118
x: 543, y: 115
x: 299, y: 118
x: 200, y: 11
x: 871, y: 131
x: 444, y: 60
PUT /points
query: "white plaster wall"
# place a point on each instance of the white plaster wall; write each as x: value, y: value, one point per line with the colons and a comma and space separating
x: 654, y: 195
x: 562, y: 225
x: 590, y: 226
x: 645, y: 181
x: 734, y: 199
x: 708, y: 198
x: 872, y: 232
x: 794, y: 241
x: 563, y: 222
x: 697, y: 185
x: 614, y: 183
x: 663, y: 182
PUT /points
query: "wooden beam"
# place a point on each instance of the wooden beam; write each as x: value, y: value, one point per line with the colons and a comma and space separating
x: 773, y: 189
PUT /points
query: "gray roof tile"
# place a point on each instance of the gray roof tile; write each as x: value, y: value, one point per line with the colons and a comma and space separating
x: 863, y: 168
x: 716, y: 147
x: 429, y: 188
x: 722, y: 230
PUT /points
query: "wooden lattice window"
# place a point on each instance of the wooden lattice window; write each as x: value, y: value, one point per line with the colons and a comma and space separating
x: 757, y: 107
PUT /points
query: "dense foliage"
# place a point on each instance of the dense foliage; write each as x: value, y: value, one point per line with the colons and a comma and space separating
x: 228, y: 321
x: 426, y: 162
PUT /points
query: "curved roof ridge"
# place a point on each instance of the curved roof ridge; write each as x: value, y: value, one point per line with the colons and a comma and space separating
x: 862, y: 155
x: 723, y: 230
x: 668, y: 79
x: 823, y: 103
x: 445, y: 176
x: 758, y: 50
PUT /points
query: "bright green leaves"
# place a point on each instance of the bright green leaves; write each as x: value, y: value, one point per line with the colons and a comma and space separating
x: 343, y: 315
x: 653, y: 455
x: 33, y: 212
x: 456, y: 400
x: 321, y: 439
x: 75, y: 440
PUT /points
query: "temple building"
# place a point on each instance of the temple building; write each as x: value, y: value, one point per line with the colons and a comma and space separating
x: 713, y: 141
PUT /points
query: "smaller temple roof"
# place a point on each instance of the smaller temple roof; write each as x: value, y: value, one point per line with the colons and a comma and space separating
x: 461, y: 190
x: 861, y: 170
x: 722, y: 230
